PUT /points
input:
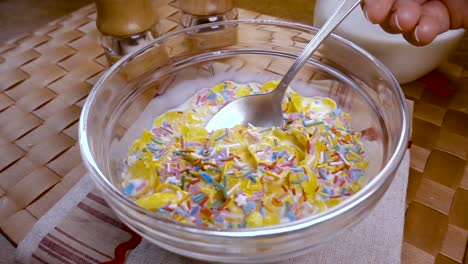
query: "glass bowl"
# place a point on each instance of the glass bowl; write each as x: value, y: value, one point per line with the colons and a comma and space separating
x: 170, y: 70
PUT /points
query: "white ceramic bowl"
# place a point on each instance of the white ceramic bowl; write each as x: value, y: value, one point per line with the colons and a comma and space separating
x: 405, y: 61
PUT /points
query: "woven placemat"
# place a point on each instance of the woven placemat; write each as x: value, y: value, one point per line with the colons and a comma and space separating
x: 436, y: 221
x: 46, y: 76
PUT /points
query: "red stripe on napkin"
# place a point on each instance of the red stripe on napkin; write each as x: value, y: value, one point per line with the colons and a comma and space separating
x: 80, y: 242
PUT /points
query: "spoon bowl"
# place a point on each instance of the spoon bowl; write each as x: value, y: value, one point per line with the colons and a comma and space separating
x: 263, y: 110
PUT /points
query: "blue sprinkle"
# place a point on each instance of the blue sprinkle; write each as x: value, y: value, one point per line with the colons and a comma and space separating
x: 249, y: 207
x: 181, y: 212
x: 206, y: 177
x: 262, y: 169
x: 198, y: 197
x: 337, y: 111
x: 281, y: 154
x: 291, y: 216
x: 322, y: 174
x: 128, y: 190
x: 343, y: 192
x: 219, y: 219
x: 262, y: 210
x: 212, y: 96
x: 325, y: 190
x: 199, y: 222
x: 274, y: 156
x: 163, y: 211
x: 252, y: 179
x: 194, y: 210
x: 225, y: 95
x: 304, y: 178
x: 356, y: 174
x: 160, y: 154
x: 152, y: 148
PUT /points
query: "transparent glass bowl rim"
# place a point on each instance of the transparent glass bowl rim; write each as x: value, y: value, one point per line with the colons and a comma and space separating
x: 368, y: 190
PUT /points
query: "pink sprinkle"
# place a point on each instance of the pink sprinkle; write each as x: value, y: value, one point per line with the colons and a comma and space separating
x: 254, y: 137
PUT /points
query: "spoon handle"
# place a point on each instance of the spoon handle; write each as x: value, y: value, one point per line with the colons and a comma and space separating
x: 340, y: 13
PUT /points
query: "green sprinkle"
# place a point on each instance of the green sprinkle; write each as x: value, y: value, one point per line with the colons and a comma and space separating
x: 180, y: 153
x: 220, y: 137
x: 276, y: 142
x: 309, y: 123
x: 265, y: 130
x: 244, y: 174
x: 221, y: 188
x: 213, y: 169
x: 157, y: 141
x: 216, y: 205
x: 183, y: 181
x: 225, y: 179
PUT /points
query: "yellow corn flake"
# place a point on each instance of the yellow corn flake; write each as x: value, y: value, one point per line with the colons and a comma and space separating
x: 193, y: 118
x: 333, y: 202
x: 269, y: 86
x: 140, y: 143
x: 171, y: 116
x: 234, y: 208
x: 296, y: 104
x: 271, y: 218
x: 362, y: 165
x: 329, y: 103
x: 355, y: 187
x: 322, y: 206
x: 168, y: 186
x: 156, y: 200
x: 243, y: 91
x: 218, y: 88
x: 301, y: 137
x: 194, y: 133
x: 254, y: 219
x: 309, y: 186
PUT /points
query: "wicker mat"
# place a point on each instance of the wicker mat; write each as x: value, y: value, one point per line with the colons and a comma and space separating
x: 46, y: 76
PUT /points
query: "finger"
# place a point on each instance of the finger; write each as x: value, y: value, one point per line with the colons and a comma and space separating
x: 377, y: 11
x: 434, y: 20
x: 405, y: 16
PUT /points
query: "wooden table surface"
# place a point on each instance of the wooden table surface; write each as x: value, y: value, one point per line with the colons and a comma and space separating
x: 46, y: 76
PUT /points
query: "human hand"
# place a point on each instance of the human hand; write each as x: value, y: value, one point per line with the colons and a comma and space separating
x: 420, y: 21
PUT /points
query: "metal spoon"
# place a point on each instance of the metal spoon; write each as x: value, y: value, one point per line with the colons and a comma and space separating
x: 264, y: 110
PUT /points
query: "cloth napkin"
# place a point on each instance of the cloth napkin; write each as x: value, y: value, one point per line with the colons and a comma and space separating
x: 81, y: 228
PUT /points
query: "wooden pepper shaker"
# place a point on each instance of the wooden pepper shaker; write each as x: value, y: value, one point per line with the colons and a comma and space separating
x: 125, y: 25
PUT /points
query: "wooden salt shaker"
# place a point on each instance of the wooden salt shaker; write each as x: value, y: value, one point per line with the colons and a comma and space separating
x: 196, y: 12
